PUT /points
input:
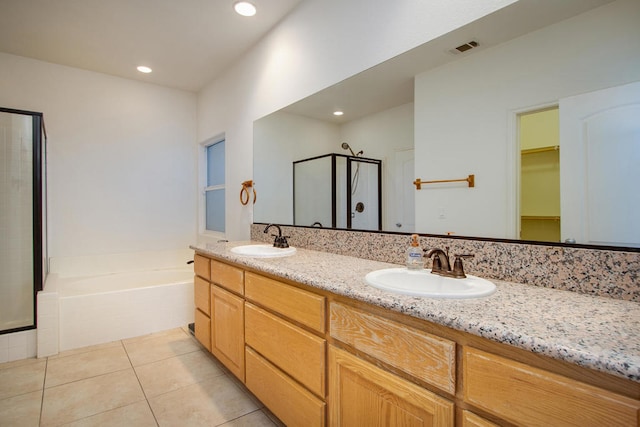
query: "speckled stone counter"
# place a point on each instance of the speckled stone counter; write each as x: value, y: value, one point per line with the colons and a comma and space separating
x: 595, y: 332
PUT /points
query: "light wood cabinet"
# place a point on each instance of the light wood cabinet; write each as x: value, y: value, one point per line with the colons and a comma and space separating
x: 296, y: 304
x: 365, y: 395
x: 296, y: 351
x: 286, y: 349
x: 201, y: 266
x: 315, y: 358
x: 469, y: 419
x: 227, y: 330
x: 423, y: 355
x: 289, y: 401
x: 528, y: 396
x: 227, y: 276
x: 202, y: 319
x: 203, y: 329
x: 201, y: 295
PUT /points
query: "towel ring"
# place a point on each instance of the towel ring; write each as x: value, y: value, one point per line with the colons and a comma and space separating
x: 244, y: 192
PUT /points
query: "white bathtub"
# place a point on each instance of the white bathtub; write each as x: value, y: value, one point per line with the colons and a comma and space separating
x: 78, y: 311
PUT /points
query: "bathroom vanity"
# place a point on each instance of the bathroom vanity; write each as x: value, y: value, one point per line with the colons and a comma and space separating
x: 318, y: 347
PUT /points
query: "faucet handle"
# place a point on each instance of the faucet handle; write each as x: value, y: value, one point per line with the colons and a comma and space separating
x: 437, y: 265
x: 283, y: 242
x: 458, y: 269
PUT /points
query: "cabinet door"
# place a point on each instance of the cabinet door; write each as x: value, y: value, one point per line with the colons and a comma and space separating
x: 362, y: 394
x: 227, y: 330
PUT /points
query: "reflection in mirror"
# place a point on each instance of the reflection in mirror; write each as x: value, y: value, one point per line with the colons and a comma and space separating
x: 540, y: 175
x: 337, y: 191
x: 461, y: 118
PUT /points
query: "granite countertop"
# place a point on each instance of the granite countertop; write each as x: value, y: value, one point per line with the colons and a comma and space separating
x: 595, y: 332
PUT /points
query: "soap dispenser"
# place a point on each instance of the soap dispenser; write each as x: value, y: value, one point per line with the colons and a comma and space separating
x: 415, y: 260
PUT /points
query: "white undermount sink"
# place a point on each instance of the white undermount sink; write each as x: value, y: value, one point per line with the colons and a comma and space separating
x: 423, y: 283
x: 263, y: 251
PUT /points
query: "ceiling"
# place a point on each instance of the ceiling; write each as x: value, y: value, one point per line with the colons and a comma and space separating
x: 187, y: 43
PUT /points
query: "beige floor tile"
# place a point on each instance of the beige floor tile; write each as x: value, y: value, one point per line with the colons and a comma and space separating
x: 169, y: 332
x: 207, y: 403
x: 272, y: 417
x: 79, y: 366
x: 176, y: 372
x: 86, y: 349
x: 22, y: 378
x: 153, y: 348
x: 136, y: 415
x: 17, y: 363
x: 21, y: 411
x: 244, y: 388
x: 80, y: 399
x: 254, y: 419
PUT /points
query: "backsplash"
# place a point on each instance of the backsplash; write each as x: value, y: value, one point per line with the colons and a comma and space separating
x: 612, y: 274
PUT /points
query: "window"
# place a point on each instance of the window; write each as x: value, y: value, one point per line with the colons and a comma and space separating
x: 214, y: 205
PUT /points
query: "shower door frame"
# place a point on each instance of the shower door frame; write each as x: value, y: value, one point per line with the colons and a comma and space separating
x: 39, y: 194
x: 334, y: 182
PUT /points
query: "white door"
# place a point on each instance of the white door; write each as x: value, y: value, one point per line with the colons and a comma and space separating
x: 600, y: 167
x: 404, y: 194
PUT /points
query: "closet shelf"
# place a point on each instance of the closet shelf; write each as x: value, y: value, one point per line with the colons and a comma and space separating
x: 540, y: 150
x: 540, y: 217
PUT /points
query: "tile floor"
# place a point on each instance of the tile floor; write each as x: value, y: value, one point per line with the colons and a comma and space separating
x: 162, y: 379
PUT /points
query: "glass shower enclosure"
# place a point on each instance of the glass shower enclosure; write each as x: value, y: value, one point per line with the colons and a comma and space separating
x: 23, y: 252
x: 338, y: 191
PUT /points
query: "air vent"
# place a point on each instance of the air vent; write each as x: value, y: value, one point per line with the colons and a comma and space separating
x: 465, y: 47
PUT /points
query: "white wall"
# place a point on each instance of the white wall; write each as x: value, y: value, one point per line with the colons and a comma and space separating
x: 121, y: 160
x: 319, y: 44
x: 465, y: 111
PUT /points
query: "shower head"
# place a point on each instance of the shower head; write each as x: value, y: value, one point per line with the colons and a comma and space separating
x: 346, y: 146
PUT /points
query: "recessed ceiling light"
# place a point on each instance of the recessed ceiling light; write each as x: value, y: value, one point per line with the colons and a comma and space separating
x: 244, y: 8
x: 144, y: 69
x: 338, y: 113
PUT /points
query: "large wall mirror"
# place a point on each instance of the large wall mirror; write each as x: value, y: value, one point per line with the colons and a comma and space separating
x: 438, y: 114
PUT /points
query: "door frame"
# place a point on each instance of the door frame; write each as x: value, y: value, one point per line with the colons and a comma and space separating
x: 514, y: 165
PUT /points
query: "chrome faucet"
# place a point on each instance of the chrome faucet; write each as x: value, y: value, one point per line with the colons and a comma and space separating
x: 279, y: 241
x: 442, y: 266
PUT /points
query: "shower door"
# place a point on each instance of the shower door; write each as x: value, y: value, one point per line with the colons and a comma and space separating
x: 22, y: 225
x: 338, y: 191
x: 364, y: 197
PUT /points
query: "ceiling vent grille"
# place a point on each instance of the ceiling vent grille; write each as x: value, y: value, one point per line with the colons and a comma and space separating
x: 465, y: 47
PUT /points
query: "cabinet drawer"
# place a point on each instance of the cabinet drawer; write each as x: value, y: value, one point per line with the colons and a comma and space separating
x: 201, y: 266
x: 530, y: 396
x: 201, y: 295
x: 289, y: 401
x: 295, y: 351
x: 301, y: 306
x: 227, y: 276
x: 425, y: 356
x: 203, y: 329
x: 469, y: 419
